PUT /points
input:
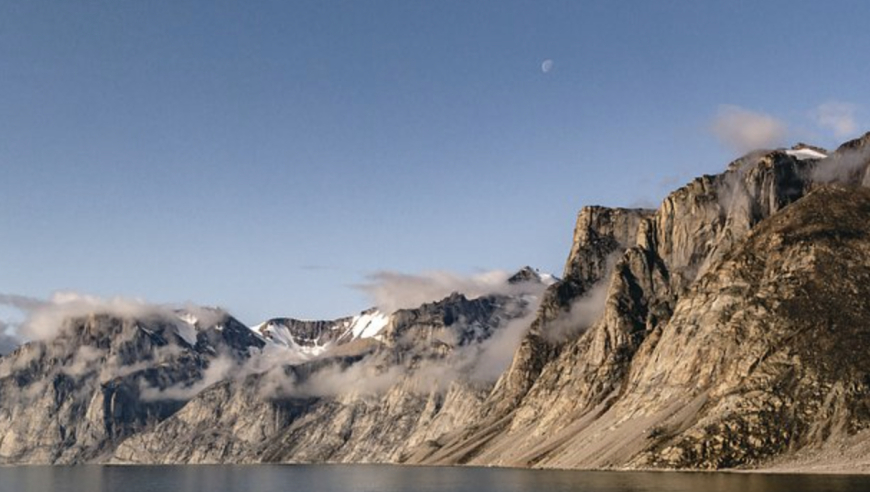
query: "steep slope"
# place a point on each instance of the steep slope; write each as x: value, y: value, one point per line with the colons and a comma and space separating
x: 764, y: 357
x: 576, y: 383
x: 774, y: 341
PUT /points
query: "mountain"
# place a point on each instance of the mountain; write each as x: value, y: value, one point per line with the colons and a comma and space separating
x: 431, y: 365
x: 104, y: 377
x: 726, y: 329
x: 307, y: 339
x: 727, y: 316
x: 151, y: 384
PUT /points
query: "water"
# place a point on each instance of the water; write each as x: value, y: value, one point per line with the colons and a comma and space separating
x: 358, y: 478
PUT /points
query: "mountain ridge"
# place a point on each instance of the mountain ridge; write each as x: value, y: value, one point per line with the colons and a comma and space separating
x: 723, y: 329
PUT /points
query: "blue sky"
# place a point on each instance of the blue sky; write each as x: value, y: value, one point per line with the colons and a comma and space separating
x: 268, y: 156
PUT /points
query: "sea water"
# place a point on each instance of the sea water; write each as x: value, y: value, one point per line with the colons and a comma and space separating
x: 372, y: 478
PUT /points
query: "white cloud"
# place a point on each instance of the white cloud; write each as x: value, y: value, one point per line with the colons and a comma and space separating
x: 838, y: 117
x: 846, y: 166
x: 743, y: 130
x: 496, y: 353
x: 45, y: 318
x: 391, y: 291
x: 580, y: 316
x: 219, y: 369
x: 83, y: 361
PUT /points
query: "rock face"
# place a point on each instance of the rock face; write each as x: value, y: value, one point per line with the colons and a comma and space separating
x: 103, y: 378
x: 423, y: 378
x: 728, y: 328
x: 307, y: 339
x: 677, y: 301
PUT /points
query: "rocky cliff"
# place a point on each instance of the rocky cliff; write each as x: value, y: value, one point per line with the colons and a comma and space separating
x: 679, y: 301
x: 140, y: 384
x: 104, y: 377
x: 726, y: 329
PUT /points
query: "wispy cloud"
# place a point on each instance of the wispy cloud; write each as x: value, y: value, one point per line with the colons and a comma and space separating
x: 45, y: 318
x: 391, y: 291
x: 837, y: 117
x: 219, y: 369
x: 744, y: 130
x: 580, y: 315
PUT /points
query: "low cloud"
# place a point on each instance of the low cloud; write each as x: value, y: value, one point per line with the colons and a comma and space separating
x: 481, y: 358
x: 45, y: 318
x: 580, y: 316
x: 83, y: 361
x: 496, y: 353
x: 391, y: 291
x: 846, y: 166
x: 113, y: 367
x: 24, y: 359
x: 743, y: 130
x: 481, y: 361
x: 219, y: 369
x: 22, y: 303
x: 837, y: 117
x: 358, y: 379
x: 8, y: 340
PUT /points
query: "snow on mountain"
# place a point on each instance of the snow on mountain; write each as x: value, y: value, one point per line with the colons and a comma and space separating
x: 805, y: 154
x: 368, y: 324
x: 310, y: 339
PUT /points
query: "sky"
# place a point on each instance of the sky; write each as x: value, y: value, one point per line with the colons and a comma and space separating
x: 271, y: 157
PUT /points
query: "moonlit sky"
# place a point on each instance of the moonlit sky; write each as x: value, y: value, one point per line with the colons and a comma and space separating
x: 268, y: 156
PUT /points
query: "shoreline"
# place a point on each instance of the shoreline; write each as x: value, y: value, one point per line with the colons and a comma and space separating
x: 862, y: 469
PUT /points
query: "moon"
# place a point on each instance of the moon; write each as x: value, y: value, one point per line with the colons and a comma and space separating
x: 547, y: 65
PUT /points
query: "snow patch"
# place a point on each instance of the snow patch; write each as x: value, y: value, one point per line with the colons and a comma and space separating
x: 368, y: 324
x: 805, y: 154
x: 279, y: 336
x: 187, y: 332
x: 548, y: 279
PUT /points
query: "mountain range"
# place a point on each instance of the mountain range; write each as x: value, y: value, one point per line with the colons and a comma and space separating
x: 729, y: 328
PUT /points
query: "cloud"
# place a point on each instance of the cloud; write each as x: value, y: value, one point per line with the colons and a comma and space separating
x: 845, y: 166
x: 219, y: 369
x: 83, y: 361
x: 8, y: 341
x: 113, y: 367
x: 45, y: 318
x: 496, y: 353
x: 743, y: 130
x: 481, y: 360
x: 391, y: 291
x: 22, y: 303
x: 356, y: 379
x: 838, y: 117
x: 580, y: 316
x: 28, y: 355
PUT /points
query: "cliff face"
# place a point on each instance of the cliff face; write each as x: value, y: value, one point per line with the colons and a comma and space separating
x: 581, y: 406
x: 103, y: 378
x: 728, y: 328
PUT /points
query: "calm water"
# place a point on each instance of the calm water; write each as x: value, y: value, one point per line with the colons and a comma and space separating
x: 398, y: 479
